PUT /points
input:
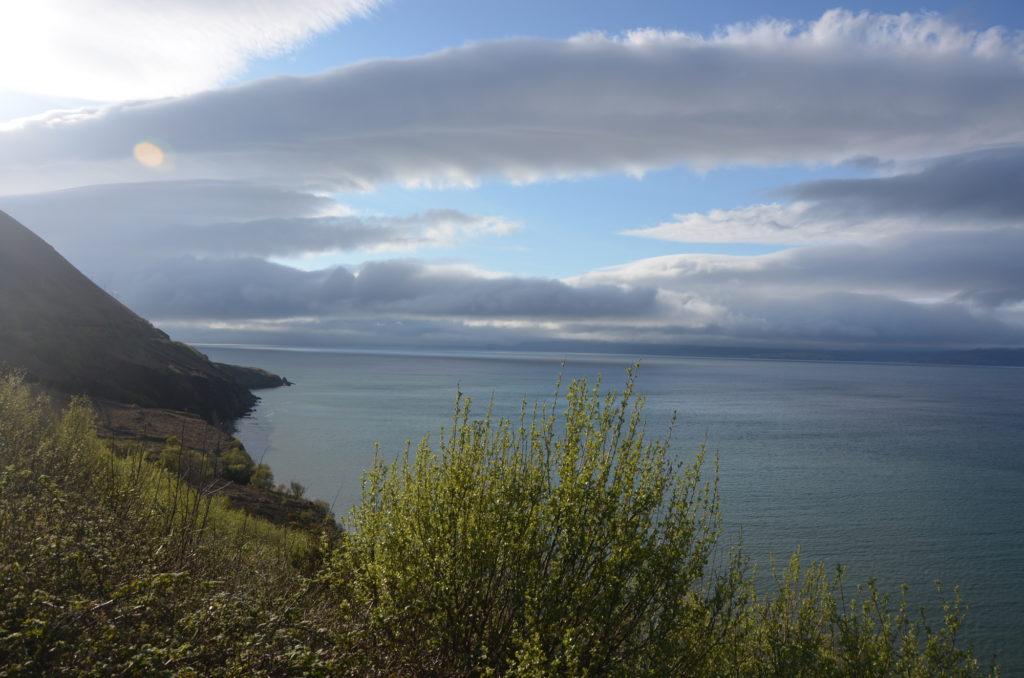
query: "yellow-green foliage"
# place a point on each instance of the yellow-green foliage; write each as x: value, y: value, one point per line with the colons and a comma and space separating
x: 569, y: 543
x: 114, y: 566
x: 807, y: 628
x: 566, y: 543
x: 236, y: 465
x: 262, y: 478
x: 189, y: 464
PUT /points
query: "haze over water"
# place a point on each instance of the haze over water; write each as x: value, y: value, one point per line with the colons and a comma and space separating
x: 907, y: 473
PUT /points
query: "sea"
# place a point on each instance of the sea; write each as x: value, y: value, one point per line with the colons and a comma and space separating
x: 902, y: 473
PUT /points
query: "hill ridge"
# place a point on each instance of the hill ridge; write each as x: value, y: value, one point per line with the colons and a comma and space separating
x: 68, y: 334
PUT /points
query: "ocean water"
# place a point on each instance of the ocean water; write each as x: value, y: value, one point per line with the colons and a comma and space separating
x: 906, y: 473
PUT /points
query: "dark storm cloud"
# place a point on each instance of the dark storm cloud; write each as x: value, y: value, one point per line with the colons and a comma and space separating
x: 838, y: 296
x: 831, y: 321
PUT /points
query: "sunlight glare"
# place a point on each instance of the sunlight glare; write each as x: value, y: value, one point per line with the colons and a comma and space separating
x: 149, y: 154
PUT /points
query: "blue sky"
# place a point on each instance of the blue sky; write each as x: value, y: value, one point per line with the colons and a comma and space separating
x: 406, y: 28
x: 554, y: 215
x: 493, y: 173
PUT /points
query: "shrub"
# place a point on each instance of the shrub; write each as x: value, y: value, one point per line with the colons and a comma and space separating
x: 806, y: 628
x: 262, y: 477
x: 236, y: 466
x: 190, y: 464
x: 569, y: 543
x: 575, y: 546
x: 560, y: 545
x: 112, y: 565
x: 295, y: 490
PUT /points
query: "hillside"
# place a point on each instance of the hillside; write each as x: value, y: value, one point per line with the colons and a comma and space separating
x: 71, y: 336
x: 505, y: 551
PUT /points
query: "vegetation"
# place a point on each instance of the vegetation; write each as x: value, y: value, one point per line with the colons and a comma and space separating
x: 115, y: 566
x: 564, y: 543
x: 236, y: 465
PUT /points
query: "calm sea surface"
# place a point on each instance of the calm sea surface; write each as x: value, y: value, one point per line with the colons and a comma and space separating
x: 903, y: 472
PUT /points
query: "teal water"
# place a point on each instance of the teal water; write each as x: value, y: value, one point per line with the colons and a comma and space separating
x: 903, y: 472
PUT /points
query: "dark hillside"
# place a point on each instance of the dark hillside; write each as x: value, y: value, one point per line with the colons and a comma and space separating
x: 70, y: 335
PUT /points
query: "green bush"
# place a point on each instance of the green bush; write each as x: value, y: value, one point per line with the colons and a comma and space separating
x: 190, y: 464
x: 565, y: 543
x: 236, y: 466
x: 569, y: 543
x: 262, y: 477
x: 559, y: 543
x: 806, y: 628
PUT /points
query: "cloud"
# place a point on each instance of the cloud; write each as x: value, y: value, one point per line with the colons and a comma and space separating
x: 845, y: 86
x: 928, y: 266
x: 828, y: 320
x: 254, y: 290
x: 835, y: 321
x: 923, y: 254
x: 102, y: 227
x: 789, y: 223
x: 985, y: 186
x: 944, y: 289
x: 305, y: 236
x: 153, y: 246
x: 113, y: 50
x: 978, y: 189
x: 939, y: 288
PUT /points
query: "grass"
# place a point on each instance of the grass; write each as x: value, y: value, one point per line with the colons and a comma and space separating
x: 112, y: 565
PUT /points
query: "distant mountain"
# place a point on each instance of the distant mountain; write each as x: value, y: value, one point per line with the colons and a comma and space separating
x: 994, y: 357
x: 70, y: 335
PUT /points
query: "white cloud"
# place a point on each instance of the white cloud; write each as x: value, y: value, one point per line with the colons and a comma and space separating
x: 847, y: 85
x: 978, y: 268
x: 111, y: 50
x: 928, y: 256
x: 979, y: 189
x: 185, y: 252
x: 944, y: 289
x: 796, y: 223
x: 767, y: 223
x: 99, y: 227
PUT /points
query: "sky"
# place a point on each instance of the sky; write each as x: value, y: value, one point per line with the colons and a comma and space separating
x: 485, y: 173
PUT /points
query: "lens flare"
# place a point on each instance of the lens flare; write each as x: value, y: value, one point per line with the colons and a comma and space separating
x: 149, y: 154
